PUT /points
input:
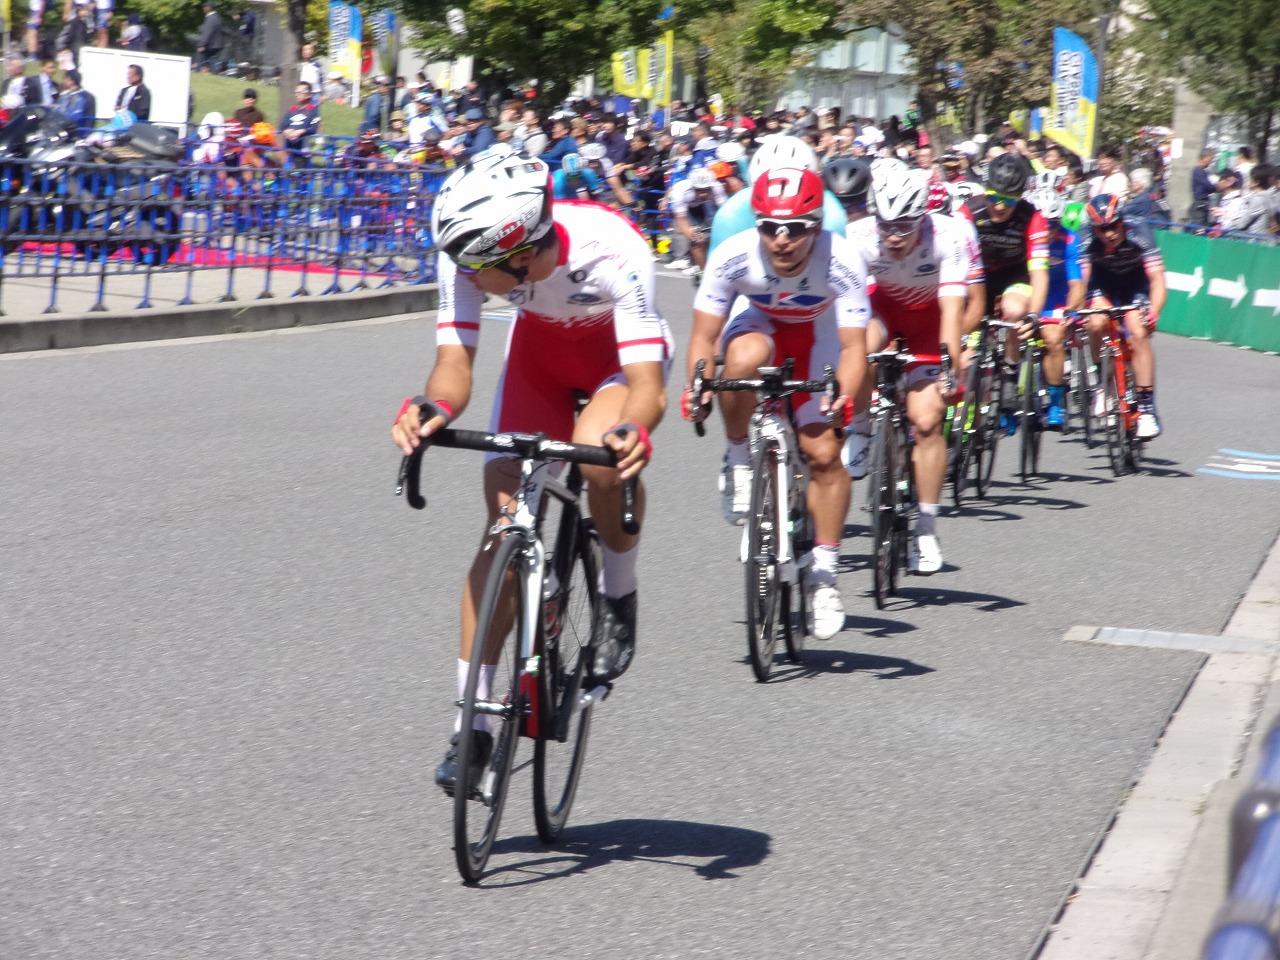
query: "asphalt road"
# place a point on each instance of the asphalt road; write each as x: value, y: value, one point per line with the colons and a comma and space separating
x: 229, y: 667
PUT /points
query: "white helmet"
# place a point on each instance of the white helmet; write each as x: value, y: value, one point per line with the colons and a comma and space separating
x: 899, y: 191
x: 1049, y: 202
x: 497, y: 203
x: 782, y: 150
x: 702, y: 179
x: 593, y: 151
x: 730, y: 152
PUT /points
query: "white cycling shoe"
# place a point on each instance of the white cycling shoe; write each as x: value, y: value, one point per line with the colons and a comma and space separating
x: 926, y: 554
x: 1148, y: 426
x: 735, y: 498
x: 826, y: 609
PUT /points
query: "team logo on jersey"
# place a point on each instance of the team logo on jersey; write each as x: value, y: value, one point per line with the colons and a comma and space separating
x: 578, y: 276
x: 804, y: 283
x: 518, y: 296
x: 927, y: 268
x: 729, y: 264
x: 585, y: 298
x: 800, y: 300
x: 509, y: 235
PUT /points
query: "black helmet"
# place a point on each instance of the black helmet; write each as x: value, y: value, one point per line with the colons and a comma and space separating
x: 1008, y: 174
x: 849, y: 178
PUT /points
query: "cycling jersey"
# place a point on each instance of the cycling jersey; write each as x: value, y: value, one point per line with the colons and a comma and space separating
x: 1119, y: 275
x: 686, y: 203
x: 565, y: 187
x: 737, y: 215
x: 801, y: 315
x: 575, y: 330
x: 1012, y: 249
x: 905, y: 292
x: 1064, y: 267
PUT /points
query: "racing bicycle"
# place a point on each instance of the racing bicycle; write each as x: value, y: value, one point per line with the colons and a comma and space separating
x: 975, y: 422
x: 778, y: 535
x: 1119, y: 394
x: 533, y: 628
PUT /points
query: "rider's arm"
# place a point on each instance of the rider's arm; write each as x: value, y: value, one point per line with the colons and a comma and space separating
x: 644, y: 347
x: 712, y: 302
x: 1158, y: 292
x: 1077, y: 288
x: 1038, y: 262
x: 684, y: 226
x: 976, y: 280
x: 645, y: 404
x: 955, y: 270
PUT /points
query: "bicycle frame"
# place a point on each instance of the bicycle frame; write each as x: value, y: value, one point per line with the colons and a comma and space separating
x: 767, y: 425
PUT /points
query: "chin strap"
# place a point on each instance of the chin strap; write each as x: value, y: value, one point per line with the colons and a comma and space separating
x: 520, y: 273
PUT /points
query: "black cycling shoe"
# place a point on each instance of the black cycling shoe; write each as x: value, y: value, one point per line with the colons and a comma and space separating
x: 613, y: 638
x: 481, y: 748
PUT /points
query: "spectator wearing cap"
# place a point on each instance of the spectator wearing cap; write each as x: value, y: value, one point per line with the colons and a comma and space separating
x: 249, y: 114
x: 77, y: 103
x: 471, y: 98
x: 335, y: 88
x: 378, y: 108
x: 135, y: 36
x: 479, y: 136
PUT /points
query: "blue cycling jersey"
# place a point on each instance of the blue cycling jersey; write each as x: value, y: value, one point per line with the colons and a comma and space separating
x: 564, y: 187
x: 1064, y: 266
x: 736, y: 215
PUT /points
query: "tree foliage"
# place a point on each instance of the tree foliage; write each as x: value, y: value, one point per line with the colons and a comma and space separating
x: 1231, y: 53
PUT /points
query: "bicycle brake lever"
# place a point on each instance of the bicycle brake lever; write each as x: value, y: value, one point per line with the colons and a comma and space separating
x: 408, y: 481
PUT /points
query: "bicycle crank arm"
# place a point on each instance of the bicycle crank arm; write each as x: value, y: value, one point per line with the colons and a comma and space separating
x: 494, y: 708
x: 595, y: 696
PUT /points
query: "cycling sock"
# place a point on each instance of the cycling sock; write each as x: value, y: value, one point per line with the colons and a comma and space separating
x: 618, y: 572
x: 861, y: 423
x: 737, y: 453
x: 484, y: 687
x: 1146, y: 399
x: 926, y: 522
x: 826, y: 557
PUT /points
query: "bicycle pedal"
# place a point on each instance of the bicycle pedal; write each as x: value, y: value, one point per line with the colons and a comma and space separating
x: 596, y: 694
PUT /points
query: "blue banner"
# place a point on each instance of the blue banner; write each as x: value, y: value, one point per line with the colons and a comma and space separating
x: 1072, y: 120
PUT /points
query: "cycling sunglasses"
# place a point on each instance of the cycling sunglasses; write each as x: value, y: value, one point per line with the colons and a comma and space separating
x: 794, y: 228
x: 904, y: 227
x: 471, y: 269
x: 997, y: 199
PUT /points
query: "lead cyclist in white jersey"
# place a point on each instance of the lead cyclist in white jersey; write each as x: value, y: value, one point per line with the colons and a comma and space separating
x: 582, y: 278
x: 802, y: 293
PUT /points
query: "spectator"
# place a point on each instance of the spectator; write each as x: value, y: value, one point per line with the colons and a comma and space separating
x: 45, y: 87
x: 471, y: 99
x: 1254, y: 214
x: 912, y: 124
x: 479, y: 136
x: 1144, y: 203
x: 1054, y: 157
x: 135, y: 37
x: 1202, y: 190
x: 378, y: 108
x: 335, y: 88
x: 1231, y: 199
x: 309, y: 68
x: 561, y: 145
x: 804, y: 120
x: 135, y: 97
x: 16, y: 88
x: 1077, y: 187
x: 400, y: 95
x: 1244, y: 162
x: 301, y: 121
x: 613, y: 139
x: 1111, y: 178
x: 105, y: 14
x: 1273, y: 198
x: 249, y: 114
x: 73, y: 36
x: 245, y: 34
x: 209, y: 40
x: 530, y: 134
x: 398, y: 133
x: 77, y: 103
x: 425, y: 123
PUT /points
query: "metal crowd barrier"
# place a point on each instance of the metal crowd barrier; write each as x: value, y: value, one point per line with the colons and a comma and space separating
x: 1267, y: 239
x: 1247, y: 926
x: 315, y: 229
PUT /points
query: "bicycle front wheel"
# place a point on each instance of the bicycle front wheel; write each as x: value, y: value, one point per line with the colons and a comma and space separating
x: 964, y: 433
x: 763, y: 589
x: 561, y: 746
x: 882, y: 504
x: 990, y: 429
x: 1030, y: 417
x: 1112, y: 416
x: 495, y: 703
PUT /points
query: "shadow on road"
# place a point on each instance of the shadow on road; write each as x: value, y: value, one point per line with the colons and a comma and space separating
x: 909, y: 596
x: 711, y: 850
x: 820, y: 661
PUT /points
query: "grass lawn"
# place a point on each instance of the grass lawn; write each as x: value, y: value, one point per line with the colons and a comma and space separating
x: 224, y: 94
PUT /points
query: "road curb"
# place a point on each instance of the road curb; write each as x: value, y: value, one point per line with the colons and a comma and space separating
x: 62, y: 331
x: 1156, y: 881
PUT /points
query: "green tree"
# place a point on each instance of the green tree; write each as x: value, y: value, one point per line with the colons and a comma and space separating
x: 1230, y: 51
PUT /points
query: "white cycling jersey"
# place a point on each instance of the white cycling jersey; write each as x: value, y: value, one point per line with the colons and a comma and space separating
x: 604, y: 278
x: 685, y: 202
x: 835, y: 277
x: 944, y: 262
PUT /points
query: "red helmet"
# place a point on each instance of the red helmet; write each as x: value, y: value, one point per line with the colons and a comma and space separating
x: 786, y: 193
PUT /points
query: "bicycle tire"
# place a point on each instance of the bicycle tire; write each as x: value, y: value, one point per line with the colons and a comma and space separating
x: 560, y: 748
x: 1112, y: 417
x: 478, y: 801
x: 990, y: 430
x: 763, y: 588
x: 1132, y: 445
x: 881, y: 496
x: 795, y: 603
x: 1029, y: 446
x: 964, y: 433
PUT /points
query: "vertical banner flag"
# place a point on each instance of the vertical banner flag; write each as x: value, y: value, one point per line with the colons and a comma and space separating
x: 664, y: 59
x: 346, y: 36
x: 626, y: 73
x: 1073, y: 102
x: 384, y: 37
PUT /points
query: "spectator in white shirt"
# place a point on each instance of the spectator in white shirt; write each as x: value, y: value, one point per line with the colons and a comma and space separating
x: 1111, y: 177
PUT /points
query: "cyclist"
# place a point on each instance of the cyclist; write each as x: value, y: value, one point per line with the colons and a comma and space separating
x: 694, y: 202
x: 575, y: 181
x: 925, y: 272
x: 1014, y: 238
x: 776, y: 150
x: 1121, y: 264
x: 803, y: 295
x: 1065, y: 282
x: 849, y: 178
x: 582, y: 278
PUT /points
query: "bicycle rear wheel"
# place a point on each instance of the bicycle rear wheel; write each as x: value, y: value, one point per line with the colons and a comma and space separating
x: 1087, y: 389
x: 964, y: 433
x: 1129, y: 420
x: 481, y: 789
x: 881, y: 503
x: 990, y: 430
x: 561, y: 745
x: 1029, y: 454
x: 1112, y: 417
x: 763, y: 586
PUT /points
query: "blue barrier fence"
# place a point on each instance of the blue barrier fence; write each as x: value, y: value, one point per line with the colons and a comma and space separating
x: 1247, y: 925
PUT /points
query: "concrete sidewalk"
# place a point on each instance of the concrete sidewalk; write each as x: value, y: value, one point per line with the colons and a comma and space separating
x: 1160, y: 874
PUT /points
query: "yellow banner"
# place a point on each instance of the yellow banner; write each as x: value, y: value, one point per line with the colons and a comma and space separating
x: 661, y: 64
x: 626, y: 73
